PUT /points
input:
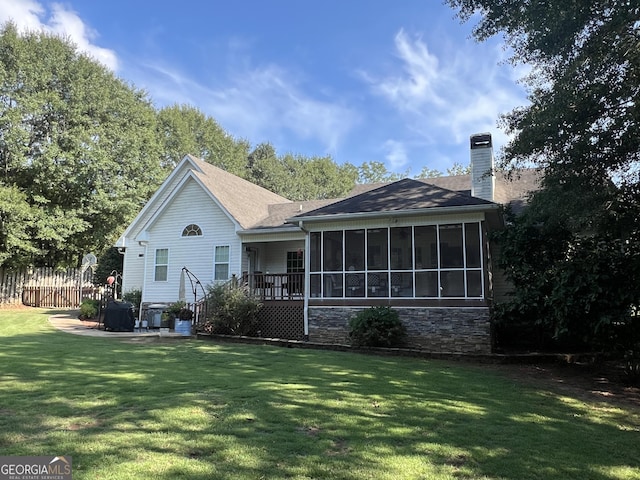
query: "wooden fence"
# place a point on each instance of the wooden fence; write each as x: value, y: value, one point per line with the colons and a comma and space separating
x: 46, y: 287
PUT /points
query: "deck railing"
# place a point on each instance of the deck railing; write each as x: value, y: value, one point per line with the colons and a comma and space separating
x: 276, y: 286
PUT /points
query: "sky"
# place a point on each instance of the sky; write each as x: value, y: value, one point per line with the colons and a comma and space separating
x: 398, y: 82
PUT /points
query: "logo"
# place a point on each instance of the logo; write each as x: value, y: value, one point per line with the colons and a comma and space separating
x: 35, y: 468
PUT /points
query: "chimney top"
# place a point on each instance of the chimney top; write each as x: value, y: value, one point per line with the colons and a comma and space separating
x: 481, y: 140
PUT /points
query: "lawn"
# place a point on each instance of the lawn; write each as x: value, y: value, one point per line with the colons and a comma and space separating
x: 195, y: 409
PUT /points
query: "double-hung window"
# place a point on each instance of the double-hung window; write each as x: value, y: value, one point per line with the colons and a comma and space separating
x: 161, y: 264
x: 221, y: 263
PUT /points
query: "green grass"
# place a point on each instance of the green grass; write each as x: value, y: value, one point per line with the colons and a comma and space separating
x: 189, y: 409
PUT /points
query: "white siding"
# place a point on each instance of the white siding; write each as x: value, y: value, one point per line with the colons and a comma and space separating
x: 157, y: 202
x: 276, y: 255
x: 191, y: 205
x: 133, y: 268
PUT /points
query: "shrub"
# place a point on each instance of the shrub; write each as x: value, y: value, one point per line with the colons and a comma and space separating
x: 232, y: 310
x: 134, y: 297
x: 377, y: 327
x: 175, y: 308
x: 88, y: 308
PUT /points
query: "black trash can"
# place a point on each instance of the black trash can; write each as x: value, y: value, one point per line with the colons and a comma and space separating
x: 118, y: 316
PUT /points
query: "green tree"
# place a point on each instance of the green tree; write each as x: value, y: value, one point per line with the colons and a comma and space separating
x: 585, y: 60
x: 16, y: 221
x: 376, y: 172
x: 427, y: 172
x: 186, y: 130
x: 459, y: 169
x: 455, y: 169
x: 78, y: 151
x: 582, y: 129
x: 571, y: 289
x: 297, y: 177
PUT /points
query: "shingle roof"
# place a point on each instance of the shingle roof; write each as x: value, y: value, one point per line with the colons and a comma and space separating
x: 509, y: 190
x: 246, y: 202
x: 279, y: 213
x: 404, y: 195
x: 254, y: 207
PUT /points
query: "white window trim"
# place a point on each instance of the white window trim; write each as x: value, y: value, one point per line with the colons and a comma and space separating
x: 199, y: 229
x: 156, y: 264
x: 227, y: 263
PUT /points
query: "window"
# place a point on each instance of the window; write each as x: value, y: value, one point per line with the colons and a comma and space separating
x: 332, y: 251
x: 377, y: 248
x: 295, y: 261
x: 430, y: 261
x: 192, y: 230
x: 161, y: 264
x: 315, y: 259
x: 221, y: 263
x: 354, y: 250
x: 295, y: 269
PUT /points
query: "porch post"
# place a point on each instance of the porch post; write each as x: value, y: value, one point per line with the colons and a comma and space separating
x: 307, y: 262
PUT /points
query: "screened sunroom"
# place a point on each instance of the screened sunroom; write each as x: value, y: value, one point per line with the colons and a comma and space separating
x: 442, y: 260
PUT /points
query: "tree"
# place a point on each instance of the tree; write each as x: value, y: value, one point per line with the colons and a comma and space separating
x: 458, y: 169
x: 453, y: 170
x: 582, y: 129
x: 376, y: 172
x: 78, y: 151
x: 186, y: 130
x: 427, y: 172
x: 584, y: 117
x: 571, y: 290
x: 297, y: 177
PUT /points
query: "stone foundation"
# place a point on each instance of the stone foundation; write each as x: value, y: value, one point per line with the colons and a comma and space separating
x: 453, y: 330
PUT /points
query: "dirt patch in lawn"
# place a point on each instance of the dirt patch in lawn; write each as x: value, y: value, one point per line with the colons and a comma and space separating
x: 605, y: 382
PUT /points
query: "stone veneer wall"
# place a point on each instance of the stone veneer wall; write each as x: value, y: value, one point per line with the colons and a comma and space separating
x: 453, y: 330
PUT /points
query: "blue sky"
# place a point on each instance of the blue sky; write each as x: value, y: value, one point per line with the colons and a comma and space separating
x: 400, y: 82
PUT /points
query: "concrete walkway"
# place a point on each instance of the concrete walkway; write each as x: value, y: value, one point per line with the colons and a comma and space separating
x: 70, y: 323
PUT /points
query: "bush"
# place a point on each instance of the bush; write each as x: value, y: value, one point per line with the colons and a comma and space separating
x: 232, y: 310
x: 134, y: 297
x: 175, y: 308
x: 88, y: 308
x: 377, y: 327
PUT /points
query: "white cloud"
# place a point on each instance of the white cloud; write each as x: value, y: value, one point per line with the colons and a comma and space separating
x: 396, y: 154
x: 258, y: 104
x: 444, y: 99
x: 29, y: 15
x: 25, y: 14
x: 419, y: 84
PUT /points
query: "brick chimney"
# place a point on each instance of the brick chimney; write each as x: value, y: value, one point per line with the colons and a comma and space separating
x: 482, y: 173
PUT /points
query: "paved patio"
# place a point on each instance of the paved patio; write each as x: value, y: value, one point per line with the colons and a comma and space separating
x: 70, y: 323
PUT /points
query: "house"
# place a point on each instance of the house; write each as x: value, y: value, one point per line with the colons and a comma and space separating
x: 420, y: 246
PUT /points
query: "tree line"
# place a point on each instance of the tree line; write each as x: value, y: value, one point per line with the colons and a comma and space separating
x: 81, y: 151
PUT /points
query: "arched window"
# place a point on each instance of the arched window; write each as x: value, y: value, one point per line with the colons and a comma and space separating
x: 192, y: 230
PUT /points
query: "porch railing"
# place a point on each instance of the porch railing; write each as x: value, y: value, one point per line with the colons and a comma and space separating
x: 276, y: 286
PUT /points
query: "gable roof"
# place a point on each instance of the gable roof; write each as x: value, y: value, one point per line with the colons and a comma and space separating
x: 254, y: 208
x: 245, y: 201
x: 406, y: 195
